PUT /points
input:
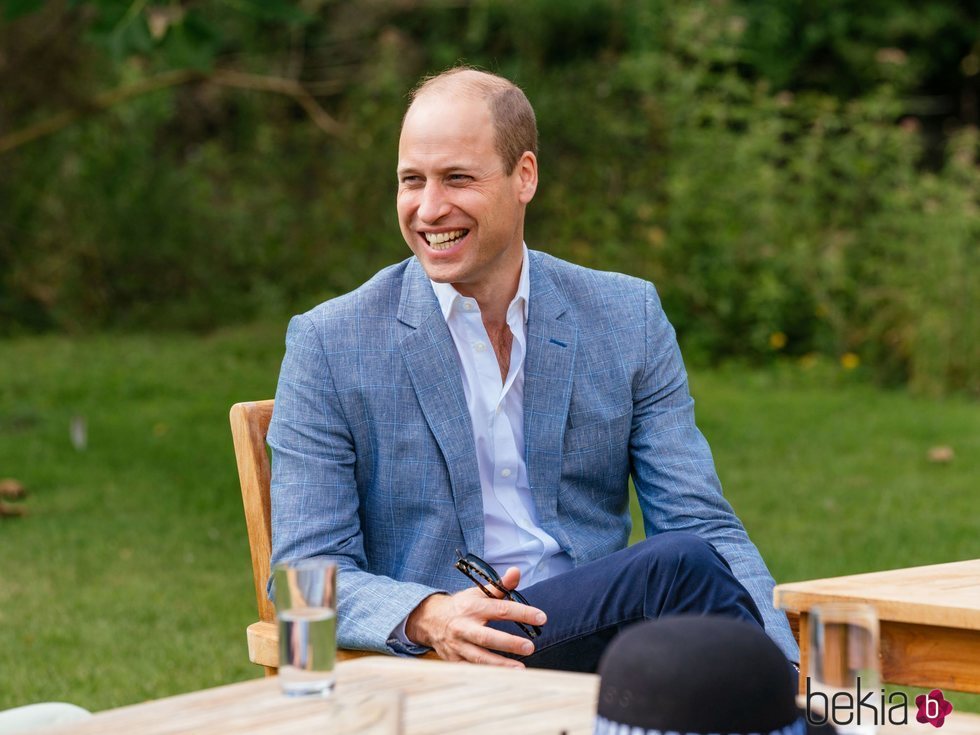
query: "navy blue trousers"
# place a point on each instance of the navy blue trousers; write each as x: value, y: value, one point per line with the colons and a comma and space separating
x: 667, y: 574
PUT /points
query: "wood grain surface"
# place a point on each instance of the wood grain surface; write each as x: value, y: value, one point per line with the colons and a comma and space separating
x: 384, y: 695
x: 929, y: 619
x: 437, y: 698
x: 940, y: 594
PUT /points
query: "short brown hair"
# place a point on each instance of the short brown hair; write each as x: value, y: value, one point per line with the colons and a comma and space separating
x: 515, y: 128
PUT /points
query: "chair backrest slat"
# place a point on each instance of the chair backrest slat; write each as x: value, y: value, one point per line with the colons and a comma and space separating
x: 249, y: 426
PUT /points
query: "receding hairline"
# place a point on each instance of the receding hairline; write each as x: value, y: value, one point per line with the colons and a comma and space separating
x: 512, y: 116
x: 464, y: 80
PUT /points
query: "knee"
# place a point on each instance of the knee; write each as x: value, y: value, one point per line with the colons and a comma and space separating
x: 683, y: 551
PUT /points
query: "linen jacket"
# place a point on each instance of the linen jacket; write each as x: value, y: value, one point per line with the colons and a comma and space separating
x: 374, y: 463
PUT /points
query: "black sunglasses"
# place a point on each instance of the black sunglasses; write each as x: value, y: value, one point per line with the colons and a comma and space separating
x: 483, y: 574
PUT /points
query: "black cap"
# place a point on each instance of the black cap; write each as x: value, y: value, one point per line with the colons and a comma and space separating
x: 698, y: 674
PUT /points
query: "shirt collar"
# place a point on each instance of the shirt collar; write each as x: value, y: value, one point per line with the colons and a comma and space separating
x: 448, y: 296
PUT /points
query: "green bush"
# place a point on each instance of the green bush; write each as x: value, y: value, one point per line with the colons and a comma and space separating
x: 802, y: 224
x: 781, y: 209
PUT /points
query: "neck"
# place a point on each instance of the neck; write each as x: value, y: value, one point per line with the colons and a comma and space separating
x: 494, y: 298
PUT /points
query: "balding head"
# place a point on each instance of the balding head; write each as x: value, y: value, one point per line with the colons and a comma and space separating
x: 515, y: 129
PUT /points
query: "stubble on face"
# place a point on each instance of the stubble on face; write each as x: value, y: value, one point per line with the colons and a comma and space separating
x: 459, y: 211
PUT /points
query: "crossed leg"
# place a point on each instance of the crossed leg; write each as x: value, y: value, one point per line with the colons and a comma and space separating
x: 671, y: 573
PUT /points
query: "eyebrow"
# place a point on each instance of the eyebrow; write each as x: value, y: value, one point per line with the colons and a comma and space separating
x: 461, y: 166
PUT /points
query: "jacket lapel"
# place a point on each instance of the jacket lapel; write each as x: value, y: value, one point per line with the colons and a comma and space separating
x: 433, y: 367
x: 548, y: 365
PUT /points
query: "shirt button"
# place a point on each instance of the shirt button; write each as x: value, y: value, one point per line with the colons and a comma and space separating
x: 479, y: 346
x: 468, y: 306
x: 505, y: 472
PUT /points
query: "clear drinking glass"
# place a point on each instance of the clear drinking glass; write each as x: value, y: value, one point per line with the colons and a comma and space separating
x: 306, y: 608
x: 844, y: 676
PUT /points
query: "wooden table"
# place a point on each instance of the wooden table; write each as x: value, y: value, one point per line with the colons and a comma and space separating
x: 929, y: 618
x: 438, y: 698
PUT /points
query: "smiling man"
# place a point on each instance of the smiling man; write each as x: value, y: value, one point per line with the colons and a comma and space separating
x: 486, y: 401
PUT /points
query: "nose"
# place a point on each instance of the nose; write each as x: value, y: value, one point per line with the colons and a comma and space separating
x: 433, y: 204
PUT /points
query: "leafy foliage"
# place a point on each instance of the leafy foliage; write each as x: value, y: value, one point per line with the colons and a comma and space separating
x: 798, y: 181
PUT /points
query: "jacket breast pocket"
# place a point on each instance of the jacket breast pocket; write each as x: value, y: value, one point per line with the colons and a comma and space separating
x: 601, y: 436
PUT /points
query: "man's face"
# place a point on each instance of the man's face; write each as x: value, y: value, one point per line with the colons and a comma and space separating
x: 459, y: 211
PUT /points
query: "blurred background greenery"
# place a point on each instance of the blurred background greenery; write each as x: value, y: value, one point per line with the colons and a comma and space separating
x: 799, y: 179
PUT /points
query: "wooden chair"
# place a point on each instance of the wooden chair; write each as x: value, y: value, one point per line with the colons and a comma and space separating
x: 249, y: 426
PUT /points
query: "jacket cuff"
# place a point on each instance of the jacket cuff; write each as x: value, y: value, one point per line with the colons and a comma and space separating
x: 399, y: 644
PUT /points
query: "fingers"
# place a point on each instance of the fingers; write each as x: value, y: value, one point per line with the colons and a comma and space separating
x: 467, y: 640
x: 487, y: 608
x: 474, y: 613
x: 511, y: 579
x: 455, y: 626
x: 498, y: 640
x: 476, y: 655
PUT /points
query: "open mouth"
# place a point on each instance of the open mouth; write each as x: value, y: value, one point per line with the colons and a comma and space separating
x: 440, y: 241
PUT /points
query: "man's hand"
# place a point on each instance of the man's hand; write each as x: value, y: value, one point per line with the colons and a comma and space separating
x: 455, y: 625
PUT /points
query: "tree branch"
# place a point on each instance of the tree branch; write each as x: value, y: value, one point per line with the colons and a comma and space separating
x: 104, y: 100
x: 280, y: 85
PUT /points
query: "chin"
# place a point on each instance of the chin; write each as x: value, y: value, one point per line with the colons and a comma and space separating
x: 440, y: 275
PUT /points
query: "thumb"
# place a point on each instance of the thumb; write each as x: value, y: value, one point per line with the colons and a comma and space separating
x: 511, y: 578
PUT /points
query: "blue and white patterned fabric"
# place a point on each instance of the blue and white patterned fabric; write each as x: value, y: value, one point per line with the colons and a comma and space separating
x: 374, y: 464
x: 511, y: 534
x: 608, y: 727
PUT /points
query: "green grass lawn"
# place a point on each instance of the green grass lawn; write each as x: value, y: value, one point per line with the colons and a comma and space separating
x: 130, y: 577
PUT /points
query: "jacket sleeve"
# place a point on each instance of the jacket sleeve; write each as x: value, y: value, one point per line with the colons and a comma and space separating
x: 674, y: 473
x: 315, y: 499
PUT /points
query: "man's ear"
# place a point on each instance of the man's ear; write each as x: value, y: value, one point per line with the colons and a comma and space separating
x: 527, y: 171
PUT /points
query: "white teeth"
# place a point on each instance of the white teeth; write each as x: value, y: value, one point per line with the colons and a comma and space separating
x: 443, y: 240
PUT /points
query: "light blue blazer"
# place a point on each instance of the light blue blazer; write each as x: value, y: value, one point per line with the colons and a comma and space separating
x: 374, y: 464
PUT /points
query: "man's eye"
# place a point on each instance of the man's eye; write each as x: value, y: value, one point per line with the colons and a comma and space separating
x: 411, y: 180
x: 459, y: 178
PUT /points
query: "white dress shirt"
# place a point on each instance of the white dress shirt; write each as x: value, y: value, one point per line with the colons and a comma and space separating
x: 512, y: 534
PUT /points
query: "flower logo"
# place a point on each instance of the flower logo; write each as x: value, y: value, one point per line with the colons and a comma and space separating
x: 933, y: 708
